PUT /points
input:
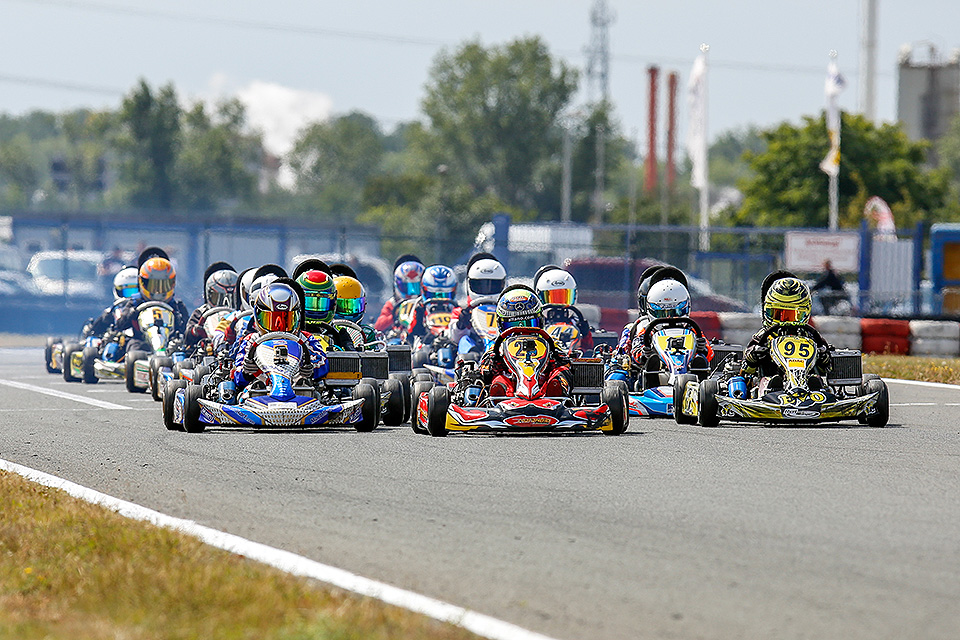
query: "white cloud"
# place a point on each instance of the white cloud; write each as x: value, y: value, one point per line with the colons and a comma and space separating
x: 281, y: 112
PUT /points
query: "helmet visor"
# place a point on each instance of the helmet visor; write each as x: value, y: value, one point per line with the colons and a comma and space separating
x: 485, y: 287
x: 351, y: 307
x: 273, y: 320
x: 777, y: 314
x: 438, y: 295
x: 565, y: 297
x: 524, y: 322
x: 128, y: 290
x: 157, y: 289
x: 408, y: 289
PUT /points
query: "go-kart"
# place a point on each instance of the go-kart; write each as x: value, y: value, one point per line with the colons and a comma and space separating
x: 797, y: 395
x: 281, y: 398
x: 167, y: 366
x: 158, y: 324
x: 483, y: 321
x: 466, y: 405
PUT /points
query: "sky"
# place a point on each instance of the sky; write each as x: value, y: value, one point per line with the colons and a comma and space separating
x: 294, y: 61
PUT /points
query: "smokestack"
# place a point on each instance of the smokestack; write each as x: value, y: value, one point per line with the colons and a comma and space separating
x: 650, y: 180
x: 671, y: 130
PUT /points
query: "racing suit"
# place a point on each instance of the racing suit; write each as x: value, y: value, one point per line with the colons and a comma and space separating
x: 245, y: 369
x: 498, y: 379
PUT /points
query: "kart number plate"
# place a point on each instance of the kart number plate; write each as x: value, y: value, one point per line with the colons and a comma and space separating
x: 283, y: 406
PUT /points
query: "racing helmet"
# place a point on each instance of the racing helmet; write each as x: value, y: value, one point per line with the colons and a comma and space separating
x: 406, y: 279
x: 219, y: 286
x: 557, y: 286
x: 126, y: 284
x: 157, y: 279
x: 320, y: 296
x: 668, y: 299
x: 644, y: 287
x: 259, y: 283
x: 277, y: 308
x: 485, y: 277
x: 438, y: 283
x: 519, y: 306
x: 242, y: 296
x: 351, y: 298
x: 787, y: 301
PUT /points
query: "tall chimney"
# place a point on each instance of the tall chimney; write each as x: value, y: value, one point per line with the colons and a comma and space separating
x: 650, y: 180
x: 671, y: 130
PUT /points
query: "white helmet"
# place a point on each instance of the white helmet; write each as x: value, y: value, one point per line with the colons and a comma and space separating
x: 126, y: 284
x: 246, y: 279
x: 557, y: 286
x: 668, y: 299
x: 257, y: 285
x: 486, y: 277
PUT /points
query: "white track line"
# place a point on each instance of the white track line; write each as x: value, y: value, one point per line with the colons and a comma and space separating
x: 100, y: 404
x: 918, y: 383
x: 477, y: 623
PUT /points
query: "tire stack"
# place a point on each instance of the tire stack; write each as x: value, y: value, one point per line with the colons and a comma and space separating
x: 709, y: 323
x: 738, y: 328
x: 879, y: 335
x: 933, y: 338
x: 842, y: 332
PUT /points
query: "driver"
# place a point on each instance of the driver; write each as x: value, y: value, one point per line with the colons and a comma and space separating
x: 519, y: 306
x: 157, y: 281
x: 351, y: 305
x: 219, y: 281
x: 407, y: 272
x: 125, y: 288
x: 277, y: 307
x: 786, y: 303
x: 486, y: 277
x: 320, y: 300
x: 558, y: 288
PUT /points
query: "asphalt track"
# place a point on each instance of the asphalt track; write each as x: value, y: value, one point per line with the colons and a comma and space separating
x: 666, y: 532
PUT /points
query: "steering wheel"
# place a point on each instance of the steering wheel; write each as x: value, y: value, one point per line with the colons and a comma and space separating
x: 153, y: 303
x: 679, y: 323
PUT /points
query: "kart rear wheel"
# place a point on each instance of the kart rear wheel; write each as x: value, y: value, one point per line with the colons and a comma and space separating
x: 709, y: 407
x: 157, y: 363
x: 393, y: 413
x: 438, y: 402
x: 169, y: 397
x: 89, y: 357
x: 67, y: 357
x: 419, y: 387
x: 370, y: 411
x: 191, y: 409
x: 183, y: 365
x: 882, y: 415
x: 201, y: 371
x: 614, y: 395
x: 679, y: 389
x: 131, y: 358
x: 48, y: 354
x: 405, y: 386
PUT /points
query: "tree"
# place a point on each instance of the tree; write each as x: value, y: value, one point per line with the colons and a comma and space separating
x: 19, y: 176
x: 333, y: 161
x: 788, y: 188
x: 494, y: 114
x: 150, y: 145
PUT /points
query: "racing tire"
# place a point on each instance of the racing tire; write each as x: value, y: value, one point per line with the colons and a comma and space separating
x: 882, y: 415
x: 131, y: 358
x: 191, y: 409
x: 679, y: 389
x: 405, y: 386
x: 89, y: 357
x: 157, y: 363
x: 201, y: 371
x: 709, y: 407
x: 186, y: 363
x: 419, y: 387
x: 423, y: 377
x: 48, y: 354
x: 862, y: 391
x: 438, y: 402
x: 169, y: 397
x: 418, y: 370
x: 370, y: 411
x: 614, y: 395
x: 67, y: 356
x: 393, y: 413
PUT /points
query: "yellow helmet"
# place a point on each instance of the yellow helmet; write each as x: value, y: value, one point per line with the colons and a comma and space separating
x: 787, y: 302
x: 351, y: 298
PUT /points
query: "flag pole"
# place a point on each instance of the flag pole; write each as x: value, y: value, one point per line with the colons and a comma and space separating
x: 705, y: 188
x: 834, y: 187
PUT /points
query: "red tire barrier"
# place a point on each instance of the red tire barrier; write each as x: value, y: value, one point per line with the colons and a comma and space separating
x: 884, y: 327
x: 885, y: 344
x: 613, y: 319
x: 709, y: 323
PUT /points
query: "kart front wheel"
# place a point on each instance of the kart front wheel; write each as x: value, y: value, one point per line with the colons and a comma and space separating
x: 405, y: 383
x: 191, y: 409
x: 679, y: 390
x: 157, y: 363
x: 882, y: 414
x: 370, y: 410
x: 48, y: 354
x: 393, y: 413
x: 67, y: 362
x: 438, y: 402
x: 89, y: 357
x: 709, y: 407
x: 419, y: 387
x: 131, y: 359
x: 614, y: 395
x: 169, y: 398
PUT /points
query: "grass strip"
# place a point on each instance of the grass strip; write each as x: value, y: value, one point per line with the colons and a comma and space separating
x: 77, y: 571
x: 924, y: 368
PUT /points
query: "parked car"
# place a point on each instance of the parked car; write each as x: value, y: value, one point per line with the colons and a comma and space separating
x: 75, y: 271
x: 13, y: 279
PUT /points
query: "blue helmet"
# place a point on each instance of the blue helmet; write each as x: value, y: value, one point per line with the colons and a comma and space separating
x: 406, y: 279
x: 519, y: 306
x: 438, y: 283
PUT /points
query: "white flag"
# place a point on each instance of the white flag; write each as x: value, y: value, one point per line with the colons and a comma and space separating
x: 697, y: 131
x: 834, y: 85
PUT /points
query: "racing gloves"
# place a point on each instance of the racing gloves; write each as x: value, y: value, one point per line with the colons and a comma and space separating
x: 250, y: 367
